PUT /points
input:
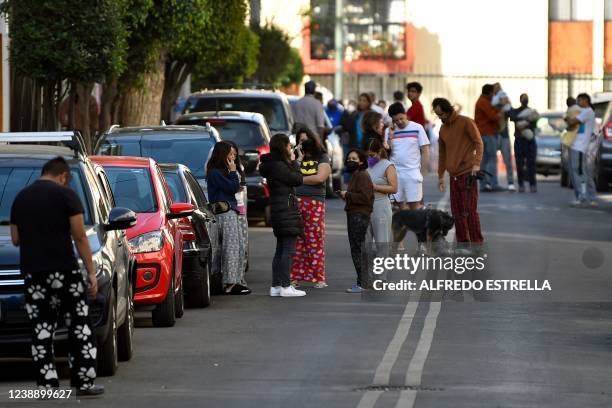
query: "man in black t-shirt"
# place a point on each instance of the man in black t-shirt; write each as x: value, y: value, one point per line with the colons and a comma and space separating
x: 45, y: 217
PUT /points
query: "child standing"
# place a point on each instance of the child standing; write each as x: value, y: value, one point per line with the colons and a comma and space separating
x: 359, y: 198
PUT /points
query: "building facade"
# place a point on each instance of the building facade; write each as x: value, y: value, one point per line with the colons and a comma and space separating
x: 547, y: 48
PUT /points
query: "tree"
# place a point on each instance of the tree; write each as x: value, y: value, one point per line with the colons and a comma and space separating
x: 294, y: 70
x: 274, y: 54
x: 78, y: 42
x: 229, y: 50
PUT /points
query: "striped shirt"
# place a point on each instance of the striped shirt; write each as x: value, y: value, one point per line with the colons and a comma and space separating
x: 406, y: 146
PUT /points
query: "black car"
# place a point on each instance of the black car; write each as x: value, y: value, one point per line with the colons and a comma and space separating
x: 200, y: 234
x: 112, y: 312
x: 250, y: 132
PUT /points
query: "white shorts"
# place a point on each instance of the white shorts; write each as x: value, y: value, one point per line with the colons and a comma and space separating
x: 410, y: 186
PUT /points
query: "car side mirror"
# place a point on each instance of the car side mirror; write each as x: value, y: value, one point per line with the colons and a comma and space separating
x: 180, y: 210
x: 120, y: 219
x: 219, y: 207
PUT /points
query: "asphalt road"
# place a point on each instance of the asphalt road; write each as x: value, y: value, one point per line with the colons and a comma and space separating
x: 332, y: 349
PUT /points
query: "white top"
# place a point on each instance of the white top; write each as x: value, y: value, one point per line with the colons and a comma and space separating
x: 586, y: 117
x: 406, y: 146
x: 385, y: 115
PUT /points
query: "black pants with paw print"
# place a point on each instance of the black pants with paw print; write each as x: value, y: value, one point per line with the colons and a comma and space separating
x: 51, y: 298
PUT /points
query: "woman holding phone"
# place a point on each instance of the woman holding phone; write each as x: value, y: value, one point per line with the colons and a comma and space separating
x: 223, y: 185
x: 281, y: 168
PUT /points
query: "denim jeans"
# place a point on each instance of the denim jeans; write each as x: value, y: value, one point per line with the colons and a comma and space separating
x: 489, y: 158
x: 581, y: 170
x: 504, y: 147
x: 281, y: 264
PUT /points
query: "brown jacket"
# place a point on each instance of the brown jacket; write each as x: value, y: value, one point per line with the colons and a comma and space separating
x: 486, y: 117
x: 360, y: 193
x: 460, y: 146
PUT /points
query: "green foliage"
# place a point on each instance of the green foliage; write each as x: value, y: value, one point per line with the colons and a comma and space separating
x: 294, y: 70
x: 78, y: 40
x: 228, y: 48
x: 274, y: 53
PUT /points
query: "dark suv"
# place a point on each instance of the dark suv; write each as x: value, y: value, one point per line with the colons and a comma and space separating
x: 273, y: 105
x: 250, y: 132
x: 112, y: 312
x: 188, y: 145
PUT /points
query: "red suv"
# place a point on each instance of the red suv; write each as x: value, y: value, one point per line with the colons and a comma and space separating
x: 156, y: 241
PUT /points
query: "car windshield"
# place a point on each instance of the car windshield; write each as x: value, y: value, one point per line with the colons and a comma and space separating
x: 14, y: 179
x: 191, y: 150
x: 132, y: 188
x: 551, y: 126
x: 175, y: 184
x: 270, y: 108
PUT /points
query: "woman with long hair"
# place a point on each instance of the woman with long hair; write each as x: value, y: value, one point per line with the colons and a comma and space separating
x: 223, y: 185
x: 309, y: 258
x: 384, y: 179
x: 243, y: 224
x: 373, y: 127
x: 282, y: 172
x: 359, y: 198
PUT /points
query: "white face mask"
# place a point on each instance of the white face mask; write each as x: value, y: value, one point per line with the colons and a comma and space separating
x: 351, y: 108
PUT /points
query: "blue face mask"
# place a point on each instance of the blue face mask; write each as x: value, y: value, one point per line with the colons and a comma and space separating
x: 372, y: 161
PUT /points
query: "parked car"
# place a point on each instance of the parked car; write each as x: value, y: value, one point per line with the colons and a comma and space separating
x: 548, y: 132
x: 112, y: 312
x: 273, y: 105
x: 188, y: 145
x: 336, y: 153
x: 200, y: 234
x: 603, y: 162
x: 250, y: 132
x: 157, y: 240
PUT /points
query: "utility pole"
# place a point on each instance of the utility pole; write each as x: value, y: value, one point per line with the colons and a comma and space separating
x: 339, y: 45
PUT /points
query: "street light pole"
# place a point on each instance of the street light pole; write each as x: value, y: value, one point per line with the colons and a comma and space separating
x: 339, y: 45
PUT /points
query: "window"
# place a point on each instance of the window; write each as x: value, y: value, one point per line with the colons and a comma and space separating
x: 373, y: 29
x: 14, y: 179
x: 270, y: 108
x: 247, y: 135
x: 177, y: 189
x: 132, y: 188
x: 571, y: 10
x: 608, y: 10
x: 190, y: 150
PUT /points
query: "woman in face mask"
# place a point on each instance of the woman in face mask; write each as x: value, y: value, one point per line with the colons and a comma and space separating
x: 384, y: 177
x: 359, y: 200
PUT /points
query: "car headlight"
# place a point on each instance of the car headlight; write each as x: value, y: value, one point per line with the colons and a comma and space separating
x: 149, y: 242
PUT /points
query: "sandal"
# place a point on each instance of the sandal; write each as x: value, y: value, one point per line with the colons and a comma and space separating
x: 238, y: 289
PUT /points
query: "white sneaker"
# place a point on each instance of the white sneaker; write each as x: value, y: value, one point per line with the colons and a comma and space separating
x: 290, y: 291
x: 275, y: 291
x: 511, y: 187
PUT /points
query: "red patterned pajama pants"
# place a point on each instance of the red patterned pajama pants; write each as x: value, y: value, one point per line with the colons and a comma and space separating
x: 464, y: 204
x: 309, y: 258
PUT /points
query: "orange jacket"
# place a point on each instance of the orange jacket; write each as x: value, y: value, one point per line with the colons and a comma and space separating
x: 486, y: 116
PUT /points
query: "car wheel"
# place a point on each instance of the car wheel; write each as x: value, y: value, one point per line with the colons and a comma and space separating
x: 216, y: 284
x: 199, y: 294
x: 108, y: 358
x: 125, y: 335
x: 164, y: 315
x: 179, y: 298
